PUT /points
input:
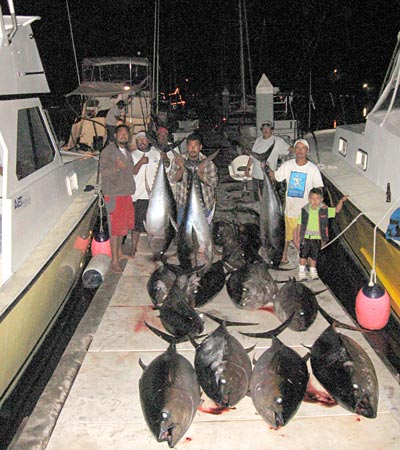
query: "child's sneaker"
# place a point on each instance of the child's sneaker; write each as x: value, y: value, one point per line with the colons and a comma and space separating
x: 302, y: 273
x: 314, y: 274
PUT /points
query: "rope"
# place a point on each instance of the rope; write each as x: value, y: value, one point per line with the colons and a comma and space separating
x: 101, y: 203
x: 338, y: 236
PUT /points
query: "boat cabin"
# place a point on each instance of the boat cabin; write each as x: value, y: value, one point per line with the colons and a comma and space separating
x: 105, y: 83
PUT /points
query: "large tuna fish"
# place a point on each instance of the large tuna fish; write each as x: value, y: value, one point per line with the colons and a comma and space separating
x: 296, y: 298
x: 279, y: 380
x: 272, y: 221
x: 161, y: 213
x: 345, y: 370
x: 252, y: 286
x: 238, y: 241
x: 169, y: 394
x: 210, y: 281
x: 177, y: 316
x: 163, y: 278
x: 194, y: 230
x: 223, y: 366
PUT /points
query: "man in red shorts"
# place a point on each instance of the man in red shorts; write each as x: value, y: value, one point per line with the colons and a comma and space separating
x: 118, y: 185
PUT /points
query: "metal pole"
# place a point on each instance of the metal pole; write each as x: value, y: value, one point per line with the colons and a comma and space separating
x: 246, y: 25
x: 158, y: 56
x: 242, y: 57
x: 73, y: 43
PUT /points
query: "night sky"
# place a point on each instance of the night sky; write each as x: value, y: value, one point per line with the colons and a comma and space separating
x: 199, y: 40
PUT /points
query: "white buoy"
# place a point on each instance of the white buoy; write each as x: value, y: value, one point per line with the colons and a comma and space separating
x: 95, y: 271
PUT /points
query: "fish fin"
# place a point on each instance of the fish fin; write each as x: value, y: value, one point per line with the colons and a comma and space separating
x: 306, y: 346
x: 192, y: 340
x: 262, y: 157
x: 272, y: 333
x: 336, y: 324
x: 174, y: 223
x: 228, y: 323
x: 166, y: 337
x: 175, y: 144
x: 320, y: 292
x: 250, y: 349
x: 142, y: 364
x: 306, y: 357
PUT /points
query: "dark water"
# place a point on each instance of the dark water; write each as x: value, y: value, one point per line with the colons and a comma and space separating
x: 345, y: 277
x: 22, y: 401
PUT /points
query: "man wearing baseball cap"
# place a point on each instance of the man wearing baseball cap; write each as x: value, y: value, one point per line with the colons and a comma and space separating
x: 301, y: 176
x: 261, y: 145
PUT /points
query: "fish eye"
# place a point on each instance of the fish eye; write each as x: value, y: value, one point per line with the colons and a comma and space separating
x: 355, y: 386
x: 223, y: 381
x: 164, y: 415
x: 279, y: 400
x: 301, y: 313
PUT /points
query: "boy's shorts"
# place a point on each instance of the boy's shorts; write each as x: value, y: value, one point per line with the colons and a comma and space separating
x: 310, y: 248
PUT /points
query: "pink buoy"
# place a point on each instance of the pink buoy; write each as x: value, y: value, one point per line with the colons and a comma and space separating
x: 101, y: 244
x: 372, y: 307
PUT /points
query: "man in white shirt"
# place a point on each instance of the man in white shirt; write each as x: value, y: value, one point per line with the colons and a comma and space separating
x: 146, y: 160
x: 301, y: 176
x: 261, y: 145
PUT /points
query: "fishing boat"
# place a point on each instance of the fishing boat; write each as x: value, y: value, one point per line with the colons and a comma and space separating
x: 363, y: 161
x: 107, y: 81
x: 47, y: 209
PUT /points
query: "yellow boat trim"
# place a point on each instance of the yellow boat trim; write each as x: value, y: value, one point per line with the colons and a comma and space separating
x: 392, y: 289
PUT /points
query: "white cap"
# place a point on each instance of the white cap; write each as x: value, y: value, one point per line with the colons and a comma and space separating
x: 302, y: 141
x: 141, y: 134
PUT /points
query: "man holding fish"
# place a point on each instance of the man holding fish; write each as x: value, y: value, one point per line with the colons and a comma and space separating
x: 261, y: 145
x: 206, y: 171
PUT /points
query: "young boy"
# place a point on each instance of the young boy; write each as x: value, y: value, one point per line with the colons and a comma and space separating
x: 313, y: 231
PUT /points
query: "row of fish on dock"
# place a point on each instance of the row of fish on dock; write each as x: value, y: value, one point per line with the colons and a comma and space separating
x: 170, y: 386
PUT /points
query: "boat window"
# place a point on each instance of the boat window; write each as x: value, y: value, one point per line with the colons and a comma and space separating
x: 34, y: 148
x: 362, y: 159
x: 343, y: 147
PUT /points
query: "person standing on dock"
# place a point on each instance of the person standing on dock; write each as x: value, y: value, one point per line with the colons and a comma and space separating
x: 312, y: 229
x: 146, y: 160
x: 118, y: 186
x: 301, y: 176
x: 206, y: 171
x: 261, y: 145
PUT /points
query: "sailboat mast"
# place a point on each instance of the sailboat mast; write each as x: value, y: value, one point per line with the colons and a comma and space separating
x: 242, y: 75
x: 156, y: 43
x: 246, y: 27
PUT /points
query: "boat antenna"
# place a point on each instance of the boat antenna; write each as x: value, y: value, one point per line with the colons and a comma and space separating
x: 73, y: 42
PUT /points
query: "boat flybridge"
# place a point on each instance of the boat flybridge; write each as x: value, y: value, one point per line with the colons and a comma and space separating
x: 363, y: 161
x: 105, y: 82
x: 45, y: 213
